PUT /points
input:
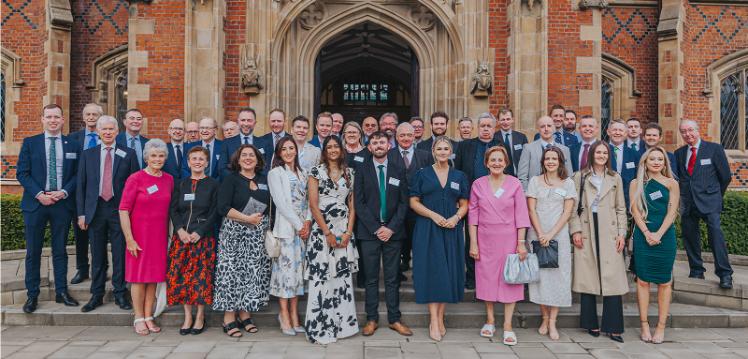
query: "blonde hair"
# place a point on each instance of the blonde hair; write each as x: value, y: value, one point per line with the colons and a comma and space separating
x: 642, y: 177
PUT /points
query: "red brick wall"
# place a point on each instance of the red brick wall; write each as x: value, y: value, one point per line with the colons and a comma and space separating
x: 234, y: 26
x: 165, y: 71
x: 498, y: 34
x: 630, y: 34
x: 99, y: 26
x: 564, y: 46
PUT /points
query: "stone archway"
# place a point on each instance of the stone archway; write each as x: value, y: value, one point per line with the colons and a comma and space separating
x: 287, y: 37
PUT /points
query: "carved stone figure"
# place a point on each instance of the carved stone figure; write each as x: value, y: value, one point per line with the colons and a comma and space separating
x: 423, y: 17
x: 482, y: 82
x: 250, y: 73
x: 312, y: 15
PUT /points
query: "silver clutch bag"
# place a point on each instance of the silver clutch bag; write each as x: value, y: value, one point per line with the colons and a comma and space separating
x: 521, y: 272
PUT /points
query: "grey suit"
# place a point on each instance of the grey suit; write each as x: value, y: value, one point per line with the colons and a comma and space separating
x: 529, y: 162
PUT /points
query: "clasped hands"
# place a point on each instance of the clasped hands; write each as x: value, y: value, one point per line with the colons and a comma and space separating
x: 332, y: 241
x: 50, y: 198
x: 652, y: 239
x: 450, y: 222
x: 187, y: 237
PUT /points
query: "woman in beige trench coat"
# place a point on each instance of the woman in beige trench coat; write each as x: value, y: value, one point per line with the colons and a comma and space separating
x: 598, y: 227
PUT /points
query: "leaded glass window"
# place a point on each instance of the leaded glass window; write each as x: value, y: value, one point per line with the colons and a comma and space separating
x: 606, y: 107
x: 733, y: 111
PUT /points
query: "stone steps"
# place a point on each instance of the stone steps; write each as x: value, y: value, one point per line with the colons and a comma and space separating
x: 462, y: 315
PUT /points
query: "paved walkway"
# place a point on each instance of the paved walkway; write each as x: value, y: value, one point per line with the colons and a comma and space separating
x: 121, y: 342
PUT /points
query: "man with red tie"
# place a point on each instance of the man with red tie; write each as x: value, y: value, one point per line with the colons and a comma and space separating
x: 704, y: 174
x: 589, y: 129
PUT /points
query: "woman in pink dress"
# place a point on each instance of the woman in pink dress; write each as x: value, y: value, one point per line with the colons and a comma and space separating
x: 144, y: 214
x: 498, y: 220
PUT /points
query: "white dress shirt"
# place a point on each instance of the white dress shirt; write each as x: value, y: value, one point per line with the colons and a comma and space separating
x: 101, y: 165
x: 409, y: 154
x: 59, y: 150
x: 376, y: 170
x: 619, y: 157
x: 688, y: 153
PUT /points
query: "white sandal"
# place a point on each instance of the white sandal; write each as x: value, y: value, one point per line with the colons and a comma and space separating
x: 141, y: 332
x: 488, y: 330
x: 156, y: 328
x: 510, y: 335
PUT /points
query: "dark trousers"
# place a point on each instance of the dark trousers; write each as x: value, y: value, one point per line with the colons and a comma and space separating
x: 407, y: 241
x: 105, y: 227
x: 388, y: 253
x: 612, y: 313
x: 59, y: 217
x: 81, y: 247
x: 692, y: 241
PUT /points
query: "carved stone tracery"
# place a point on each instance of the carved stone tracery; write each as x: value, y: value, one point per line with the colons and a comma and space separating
x: 312, y: 15
x: 423, y: 17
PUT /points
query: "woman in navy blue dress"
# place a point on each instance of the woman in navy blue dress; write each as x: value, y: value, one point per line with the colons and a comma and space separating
x: 439, y: 195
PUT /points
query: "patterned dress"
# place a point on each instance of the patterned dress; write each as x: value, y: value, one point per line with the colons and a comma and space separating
x: 287, y: 280
x: 331, y: 311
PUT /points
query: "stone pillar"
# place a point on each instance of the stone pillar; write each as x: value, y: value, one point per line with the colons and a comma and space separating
x: 670, y: 62
x: 57, y: 50
x: 590, y: 97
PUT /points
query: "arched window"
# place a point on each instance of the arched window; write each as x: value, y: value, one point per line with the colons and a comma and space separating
x: 10, y: 93
x: 727, y: 86
x: 606, y: 107
x: 618, y: 92
x: 109, y: 83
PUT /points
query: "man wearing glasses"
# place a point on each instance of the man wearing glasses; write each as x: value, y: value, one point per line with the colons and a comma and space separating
x: 208, y: 140
x: 176, y: 149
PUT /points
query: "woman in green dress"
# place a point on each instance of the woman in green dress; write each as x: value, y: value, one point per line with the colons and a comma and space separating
x: 654, y: 205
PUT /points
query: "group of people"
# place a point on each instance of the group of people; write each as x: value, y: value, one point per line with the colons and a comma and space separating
x: 228, y: 224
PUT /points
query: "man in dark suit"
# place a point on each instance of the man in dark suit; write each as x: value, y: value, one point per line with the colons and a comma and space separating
x: 208, y: 128
x: 439, y: 121
x: 652, y: 138
x: 247, y: 119
x: 580, y: 152
x: 624, y: 160
x: 132, y: 137
x: 381, y: 201
x: 102, y: 172
x: 634, y: 135
x: 511, y: 139
x: 407, y: 156
x: 704, y: 175
x: 469, y: 160
x: 323, y: 125
x: 87, y: 138
x: 369, y: 125
x: 277, y: 122
x: 560, y: 136
x: 47, y: 167
x: 176, y: 148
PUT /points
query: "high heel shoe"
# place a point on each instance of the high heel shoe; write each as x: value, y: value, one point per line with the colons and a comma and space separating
x: 615, y: 337
x: 436, y: 339
x: 198, y: 331
x: 594, y: 332
x: 646, y: 337
x: 657, y: 338
x: 286, y: 331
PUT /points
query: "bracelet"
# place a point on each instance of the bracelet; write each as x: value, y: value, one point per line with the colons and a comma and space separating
x: 521, y: 241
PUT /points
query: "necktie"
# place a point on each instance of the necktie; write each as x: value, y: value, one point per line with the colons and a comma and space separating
x: 106, y: 181
x: 585, y: 154
x: 246, y: 140
x: 633, y: 146
x: 507, y: 140
x: 210, y: 163
x: 132, y: 142
x: 92, y: 137
x: 138, y: 154
x: 178, y: 148
x: 276, y: 138
x: 692, y: 161
x: 405, y: 159
x: 558, y: 138
x: 52, y: 169
x: 382, y: 194
x: 615, y: 159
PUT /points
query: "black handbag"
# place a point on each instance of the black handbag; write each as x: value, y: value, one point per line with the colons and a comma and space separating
x: 547, y: 256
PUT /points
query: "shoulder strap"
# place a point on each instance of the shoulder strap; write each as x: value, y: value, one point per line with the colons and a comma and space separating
x: 581, y: 195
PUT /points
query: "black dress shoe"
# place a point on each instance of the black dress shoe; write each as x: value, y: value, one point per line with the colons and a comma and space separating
x: 594, y: 333
x: 401, y: 277
x: 65, y: 298
x: 696, y: 275
x: 616, y: 338
x: 122, y: 302
x: 95, y: 302
x: 197, y: 331
x: 183, y: 331
x: 725, y: 282
x: 79, y: 277
x: 404, y: 267
x: 30, y: 305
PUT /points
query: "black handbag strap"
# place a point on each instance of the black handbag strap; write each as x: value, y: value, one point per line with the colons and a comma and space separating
x: 581, y: 195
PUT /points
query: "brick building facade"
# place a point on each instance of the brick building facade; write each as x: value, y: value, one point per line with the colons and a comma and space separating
x: 658, y: 60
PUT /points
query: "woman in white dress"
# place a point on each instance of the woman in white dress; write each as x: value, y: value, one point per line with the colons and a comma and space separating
x: 550, y: 200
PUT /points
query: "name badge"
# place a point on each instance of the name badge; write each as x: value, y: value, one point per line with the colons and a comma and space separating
x: 218, y: 157
x: 262, y: 150
x: 452, y: 156
x: 498, y: 193
x: 262, y: 186
x: 189, y: 196
x: 706, y: 161
x: 655, y: 195
x: 394, y: 181
x: 120, y: 153
x: 455, y: 186
x: 517, y: 147
x: 358, y: 159
x: 630, y: 165
x: 561, y: 192
x: 71, y: 155
x: 152, y: 189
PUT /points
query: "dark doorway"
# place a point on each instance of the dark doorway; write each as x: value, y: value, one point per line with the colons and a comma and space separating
x: 366, y: 71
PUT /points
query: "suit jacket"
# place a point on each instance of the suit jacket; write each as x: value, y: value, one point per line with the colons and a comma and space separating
x: 464, y: 160
x: 80, y: 137
x: 711, y: 176
x: 366, y: 199
x: 268, y: 137
x: 575, y: 150
x: 568, y: 138
x: 427, y: 143
x: 229, y: 146
x: 122, y: 141
x: 286, y: 222
x: 629, y: 168
x: 216, y: 160
x: 31, y: 170
x: 515, y: 151
x: 420, y: 160
x: 171, y: 166
x: 529, y: 163
x: 89, y: 175
x: 315, y: 142
x: 673, y: 165
x: 641, y: 148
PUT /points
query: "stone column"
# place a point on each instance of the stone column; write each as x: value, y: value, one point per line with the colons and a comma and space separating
x: 57, y: 50
x: 590, y: 97
x: 670, y: 62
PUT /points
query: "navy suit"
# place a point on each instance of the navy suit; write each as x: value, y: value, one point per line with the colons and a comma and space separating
x: 31, y: 172
x: 641, y: 147
x: 215, y: 161
x: 518, y: 140
x: 568, y: 138
x: 315, y: 142
x: 171, y: 167
x: 628, y: 169
x: 701, y: 198
x: 103, y: 216
x: 81, y: 236
x: 575, y: 149
x: 373, y: 250
x: 122, y: 141
x: 229, y: 146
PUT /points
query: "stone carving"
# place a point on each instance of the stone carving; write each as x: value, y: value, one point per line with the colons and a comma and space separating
x: 251, y: 77
x: 593, y: 4
x: 423, y: 17
x: 531, y: 3
x: 482, y: 81
x: 312, y: 15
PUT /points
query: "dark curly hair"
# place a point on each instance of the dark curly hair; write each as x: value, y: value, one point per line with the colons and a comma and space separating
x: 234, y: 164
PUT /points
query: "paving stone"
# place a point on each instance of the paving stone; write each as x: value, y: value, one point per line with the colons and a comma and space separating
x: 681, y: 353
x: 195, y: 347
x: 533, y: 353
x: 418, y: 347
x: 122, y: 346
x: 186, y: 355
x: 107, y: 333
x: 725, y: 356
x: 732, y: 344
x: 608, y: 354
x: 457, y: 350
x: 498, y: 356
x: 382, y: 353
x: 10, y: 349
x: 382, y: 343
x: 150, y: 353
x: 705, y: 347
x: 652, y: 355
x: 95, y: 343
x: 492, y: 348
x: 600, y: 345
x: 574, y: 356
x: 565, y: 348
x: 108, y: 355
x: 73, y: 352
x: 305, y: 351
x: 42, y: 348
x: 40, y: 333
